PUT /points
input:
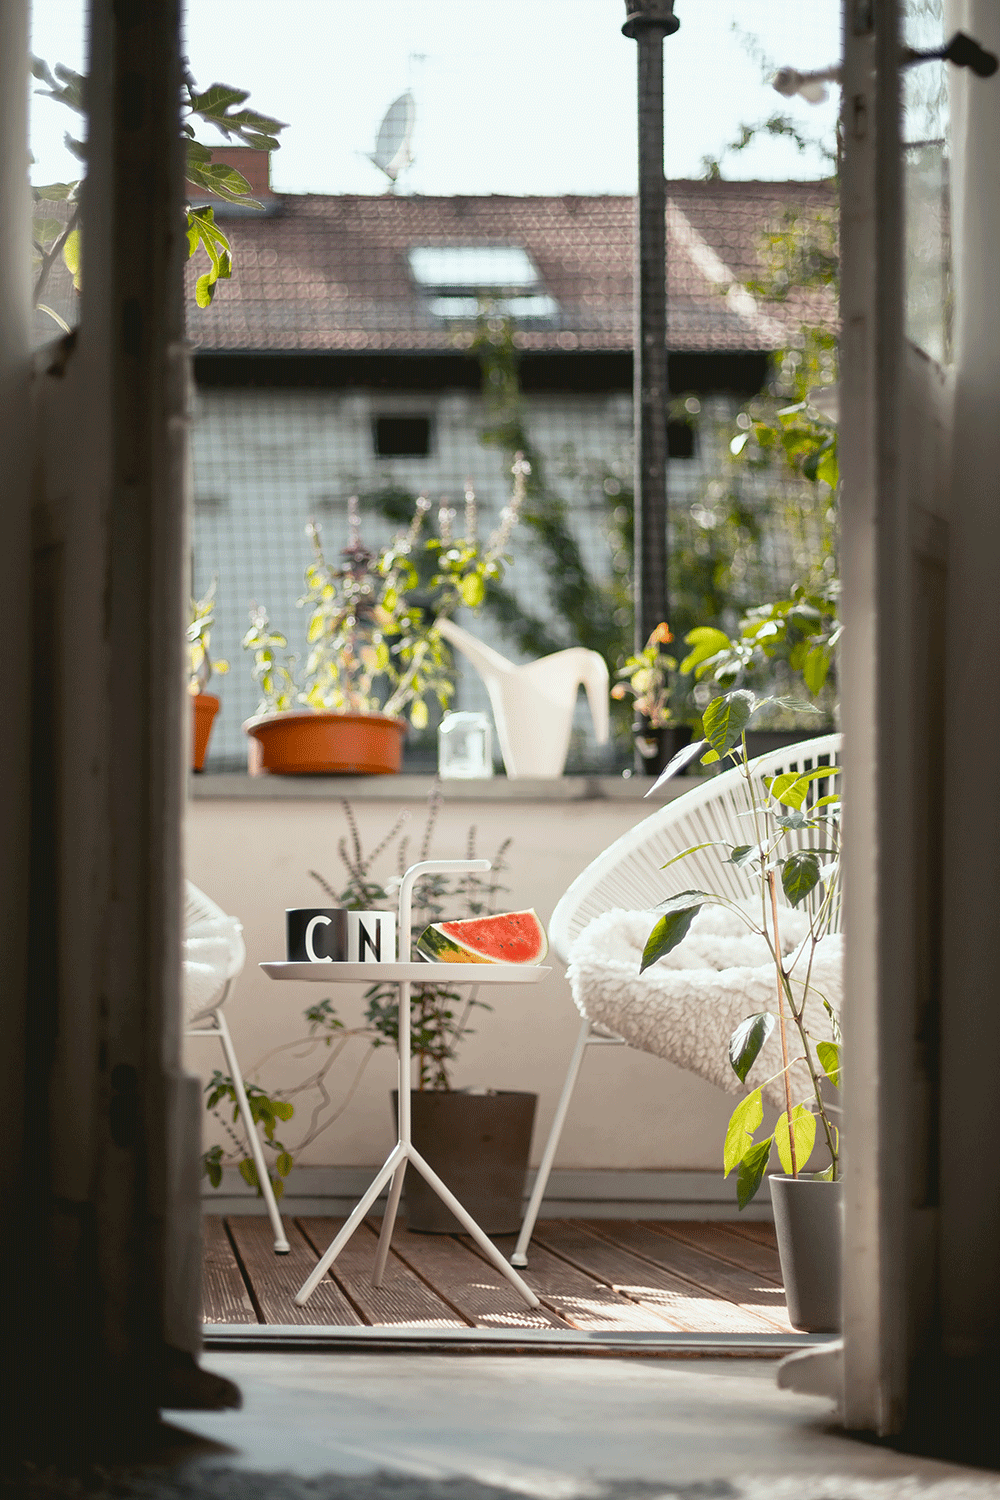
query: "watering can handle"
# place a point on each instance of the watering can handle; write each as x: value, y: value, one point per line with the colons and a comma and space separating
x: 596, y: 680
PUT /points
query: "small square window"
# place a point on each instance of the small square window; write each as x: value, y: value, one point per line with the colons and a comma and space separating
x: 680, y: 440
x: 402, y: 437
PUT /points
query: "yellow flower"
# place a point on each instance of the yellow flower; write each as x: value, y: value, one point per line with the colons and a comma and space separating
x: 661, y: 635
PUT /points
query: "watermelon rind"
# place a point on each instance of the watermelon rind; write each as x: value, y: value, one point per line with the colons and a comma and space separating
x: 513, y: 937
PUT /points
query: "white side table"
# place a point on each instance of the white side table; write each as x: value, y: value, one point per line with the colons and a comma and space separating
x: 404, y: 975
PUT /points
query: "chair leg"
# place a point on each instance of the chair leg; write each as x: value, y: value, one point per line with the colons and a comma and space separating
x: 520, y: 1257
x: 281, y: 1245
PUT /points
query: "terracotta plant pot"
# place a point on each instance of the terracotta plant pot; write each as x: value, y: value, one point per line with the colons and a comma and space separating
x: 317, y: 744
x: 478, y: 1145
x: 204, y: 710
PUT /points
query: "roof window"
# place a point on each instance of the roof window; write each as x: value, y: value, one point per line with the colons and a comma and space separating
x: 473, y: 268
x: 459, y: 280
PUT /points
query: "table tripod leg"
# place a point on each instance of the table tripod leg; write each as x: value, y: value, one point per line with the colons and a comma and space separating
x: 471, y: 1227
x: 388, y: 1222
x: 312, y: 1281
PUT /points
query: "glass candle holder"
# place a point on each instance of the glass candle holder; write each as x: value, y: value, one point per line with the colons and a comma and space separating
x: 465, y: 747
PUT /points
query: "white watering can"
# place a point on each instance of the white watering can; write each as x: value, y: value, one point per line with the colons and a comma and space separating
x: 533, y: 705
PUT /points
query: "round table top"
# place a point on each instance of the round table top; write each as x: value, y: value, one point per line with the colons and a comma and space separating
x: 418, y: 973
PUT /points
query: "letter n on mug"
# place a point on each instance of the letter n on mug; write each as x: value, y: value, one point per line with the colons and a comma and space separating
x: 371, y: 937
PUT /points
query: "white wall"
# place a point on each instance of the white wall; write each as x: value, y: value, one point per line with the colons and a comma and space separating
x: 252, y: 856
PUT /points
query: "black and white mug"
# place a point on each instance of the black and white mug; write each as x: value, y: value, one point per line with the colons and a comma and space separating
x: 331, y: 934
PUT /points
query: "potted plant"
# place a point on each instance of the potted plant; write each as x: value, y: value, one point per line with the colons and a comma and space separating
x: 200, y: 668
x: 791, y: 835
x: 657, y: 734
x: 376, y: 656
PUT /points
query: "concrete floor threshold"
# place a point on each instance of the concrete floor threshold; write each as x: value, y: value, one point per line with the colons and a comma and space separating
x: 293, y: 1337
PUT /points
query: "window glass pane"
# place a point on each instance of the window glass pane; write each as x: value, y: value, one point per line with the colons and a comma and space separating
x: 926, y: 166
x: 58, y: 132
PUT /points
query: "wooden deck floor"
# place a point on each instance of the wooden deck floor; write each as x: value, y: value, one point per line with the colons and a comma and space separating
x: 597, y: 1275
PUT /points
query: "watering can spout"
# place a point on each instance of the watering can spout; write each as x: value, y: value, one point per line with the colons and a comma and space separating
x: 533, y: 704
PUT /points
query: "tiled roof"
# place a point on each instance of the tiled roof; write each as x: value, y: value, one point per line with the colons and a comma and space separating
x: 332, y: 273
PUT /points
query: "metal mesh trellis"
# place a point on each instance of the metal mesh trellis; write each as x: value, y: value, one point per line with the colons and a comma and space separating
x: 366, y: 345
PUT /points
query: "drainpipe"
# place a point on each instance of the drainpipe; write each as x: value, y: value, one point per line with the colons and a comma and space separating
x: 648, y: 22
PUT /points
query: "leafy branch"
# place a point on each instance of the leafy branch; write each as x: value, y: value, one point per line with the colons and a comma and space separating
x: 219, y: 106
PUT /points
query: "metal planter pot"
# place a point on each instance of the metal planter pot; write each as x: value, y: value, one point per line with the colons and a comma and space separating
x: 656, y: 748
x: 808, y: 1214
x: 478, y: 1145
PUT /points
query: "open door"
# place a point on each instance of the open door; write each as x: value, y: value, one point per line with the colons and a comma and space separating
x: 919, y: 462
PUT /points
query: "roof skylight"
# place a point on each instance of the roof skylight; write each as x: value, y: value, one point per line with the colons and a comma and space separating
x: 473, y: 268
x: 501, y: 307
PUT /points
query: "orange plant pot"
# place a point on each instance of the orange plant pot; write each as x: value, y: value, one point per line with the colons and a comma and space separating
x: 204, y: 710
x: 311, y: 744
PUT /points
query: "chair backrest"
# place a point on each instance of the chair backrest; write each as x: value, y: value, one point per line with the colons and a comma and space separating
x: 629, y: 873
x: 213, y: 953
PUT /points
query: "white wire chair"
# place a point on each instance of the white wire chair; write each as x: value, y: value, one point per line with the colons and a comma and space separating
x: 629, y: 874
x: 213, y: 957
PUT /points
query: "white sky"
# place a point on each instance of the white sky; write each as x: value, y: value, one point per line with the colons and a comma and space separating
x: 513, y: 96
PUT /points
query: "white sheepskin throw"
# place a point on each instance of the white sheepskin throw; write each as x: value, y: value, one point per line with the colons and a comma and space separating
x: 687, y: 1005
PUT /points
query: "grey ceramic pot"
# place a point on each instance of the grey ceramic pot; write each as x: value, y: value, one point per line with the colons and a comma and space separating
x: 808, y: 1215
x: 478, y: 1145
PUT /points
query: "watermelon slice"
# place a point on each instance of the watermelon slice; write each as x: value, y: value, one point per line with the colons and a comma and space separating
x: 511, y: 937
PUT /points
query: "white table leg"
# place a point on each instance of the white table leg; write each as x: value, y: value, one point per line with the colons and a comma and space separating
x: 312, y: 1281
x: 471, y: 1227
x: 388, y: 1223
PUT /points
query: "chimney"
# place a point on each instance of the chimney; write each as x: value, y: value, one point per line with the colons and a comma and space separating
x: 253, y: 164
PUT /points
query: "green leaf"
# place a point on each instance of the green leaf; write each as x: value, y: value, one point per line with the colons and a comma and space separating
x: 746, y: 1042
x: 54, y: 192
x: 800, y: 873
x: 789, y: 789
x: 816, y: 668
x: 224, y: 180
x: 284, y: 1164
x: 46, y: 230
x: 725, y: 719
x: 751, y: 1172
x: 668, y: 932
x: 745, y: 1119
x: 71, y: 255
x: 216, y: 99
x: 804, y: 1131
x: 742, y: 855
x: 694, y: 849
x: 705, y: 642
x: 472, y: 590
x: 249, y: 1172
x: 829, y: 1057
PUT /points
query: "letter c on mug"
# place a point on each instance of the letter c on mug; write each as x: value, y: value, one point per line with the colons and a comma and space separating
x: 311, y: 953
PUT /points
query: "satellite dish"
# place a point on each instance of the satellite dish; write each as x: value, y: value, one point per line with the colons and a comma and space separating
x: 392, y: 153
